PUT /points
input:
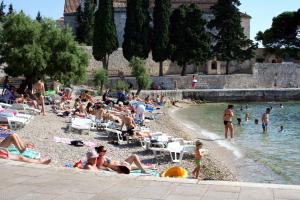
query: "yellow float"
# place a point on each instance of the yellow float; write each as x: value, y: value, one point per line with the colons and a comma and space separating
x: 175, y: 172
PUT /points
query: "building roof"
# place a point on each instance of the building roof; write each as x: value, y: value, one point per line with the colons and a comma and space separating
x: 71, y: 6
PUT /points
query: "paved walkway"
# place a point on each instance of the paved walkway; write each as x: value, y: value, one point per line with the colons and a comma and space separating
x: 23, y: 181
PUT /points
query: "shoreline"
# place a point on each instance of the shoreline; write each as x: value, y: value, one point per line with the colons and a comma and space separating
x: 232, y: 157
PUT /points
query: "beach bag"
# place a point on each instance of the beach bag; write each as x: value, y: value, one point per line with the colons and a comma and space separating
x: 77, y: 143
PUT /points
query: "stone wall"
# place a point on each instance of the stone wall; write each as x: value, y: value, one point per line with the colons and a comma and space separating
x: 264, y: 76
x: 246, y: 95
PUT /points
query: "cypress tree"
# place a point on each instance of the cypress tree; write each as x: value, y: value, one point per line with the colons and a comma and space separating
x: 160, y: 40
x: 39, y: 17
x: 10, y: 9
x: 2, y: 13
x: 137, y: 30
x: 105, y: 33
x: 189, y: 41
x: 231, y: 42
x: 85, y: 29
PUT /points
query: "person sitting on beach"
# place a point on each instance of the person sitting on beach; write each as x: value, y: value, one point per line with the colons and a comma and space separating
x: 5, y: 85
x: 121, y: 167
x: 198, y: 158
x: 80, y: 111
x: 85, y: 96
x: 16, y: 141
x: 91, y: 163
x: 148, y: 100
x: 89, y: 109
x: 228, y: 114
x: 265, y: 120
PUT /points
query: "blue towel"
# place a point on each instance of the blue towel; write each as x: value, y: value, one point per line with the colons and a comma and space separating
x: 28, y: 153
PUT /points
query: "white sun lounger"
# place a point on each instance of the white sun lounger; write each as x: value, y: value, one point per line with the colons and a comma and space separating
x: 81, y: 124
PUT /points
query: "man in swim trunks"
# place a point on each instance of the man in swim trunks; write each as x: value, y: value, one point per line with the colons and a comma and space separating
x: 265, y: 120
x: 39, y: 92
x: 228, y: 114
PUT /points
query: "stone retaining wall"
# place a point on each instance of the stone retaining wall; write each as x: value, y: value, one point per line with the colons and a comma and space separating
x: 229, y: 94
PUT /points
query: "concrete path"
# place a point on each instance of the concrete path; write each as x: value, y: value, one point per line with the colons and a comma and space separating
x: 29, y: 182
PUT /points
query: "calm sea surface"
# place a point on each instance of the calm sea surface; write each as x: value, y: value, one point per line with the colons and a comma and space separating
x: 278, y: 152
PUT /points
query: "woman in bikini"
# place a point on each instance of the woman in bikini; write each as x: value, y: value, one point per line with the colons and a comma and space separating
x: 16, y: 141
x: 228, y: 114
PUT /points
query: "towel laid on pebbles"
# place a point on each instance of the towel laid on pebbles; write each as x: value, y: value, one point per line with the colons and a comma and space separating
x: 68, y: 141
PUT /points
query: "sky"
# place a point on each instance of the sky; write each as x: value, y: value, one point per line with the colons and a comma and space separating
x: 262, y: 11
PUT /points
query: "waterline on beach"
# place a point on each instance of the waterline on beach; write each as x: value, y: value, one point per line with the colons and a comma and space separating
x: 267, y: 158
x: 213, y: 137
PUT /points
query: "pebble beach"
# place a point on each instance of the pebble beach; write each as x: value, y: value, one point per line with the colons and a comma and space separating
x: 42, y: 130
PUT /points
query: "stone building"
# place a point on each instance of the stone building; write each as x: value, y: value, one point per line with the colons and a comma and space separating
x: 119, y: 64
x: 71, y: 11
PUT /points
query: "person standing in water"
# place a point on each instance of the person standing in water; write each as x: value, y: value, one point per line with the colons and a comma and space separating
x: 265, y: 120
x: 228, y: 114
x: 39, y: 93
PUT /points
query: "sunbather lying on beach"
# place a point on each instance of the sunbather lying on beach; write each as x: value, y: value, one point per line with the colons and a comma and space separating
x: 91, y: 161
x: 21, y: 146
x: 120, y: 167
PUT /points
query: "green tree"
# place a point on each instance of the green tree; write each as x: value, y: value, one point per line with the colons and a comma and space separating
x: 140, y: 72
x: 283, y: 37
x: 100, y: 78
x: 137, y: 30
x: 231, y: 42
x: 189, y: 41
x: 10, y: 9
x: 160, y: 39
x: 105, y: 32
x: 2, y: 13
x: 32, y: 49
x: 85, y: 29
x: 38, y: 17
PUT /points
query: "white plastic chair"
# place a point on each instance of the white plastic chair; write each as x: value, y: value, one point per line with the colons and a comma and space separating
x: 173, y: 148
x: 81, y: 124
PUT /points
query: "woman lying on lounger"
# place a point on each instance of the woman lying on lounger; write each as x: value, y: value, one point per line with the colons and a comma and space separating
x: 16, y: 141
x: 120, y: 167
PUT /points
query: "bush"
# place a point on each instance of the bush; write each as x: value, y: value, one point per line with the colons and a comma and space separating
x: 121, y: 85
x: 140, y: 72
x: 100, y: 78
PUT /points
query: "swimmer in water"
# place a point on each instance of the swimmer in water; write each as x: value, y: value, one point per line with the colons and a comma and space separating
x: 265, y: 120
x: 256, y: 121
x: 281, y: 128
x: 247, y: 116
x: 239, y: 121
x: 281, y: 105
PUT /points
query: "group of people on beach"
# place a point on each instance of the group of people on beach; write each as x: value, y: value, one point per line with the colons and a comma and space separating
x: 229, y: 114
x: 25, y: 94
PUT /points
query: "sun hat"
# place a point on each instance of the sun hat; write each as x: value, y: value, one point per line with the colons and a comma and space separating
x: 91, y: 154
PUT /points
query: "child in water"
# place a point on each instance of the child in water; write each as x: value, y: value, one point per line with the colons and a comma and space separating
x: 198, y: 158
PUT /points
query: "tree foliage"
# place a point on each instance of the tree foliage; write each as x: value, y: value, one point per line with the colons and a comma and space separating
x: 189, y: 41
x: 34, y: 49
x: 105, y: 34
x: 228, y: 34
x: 140, y: 72
x: 2, y: 12
x: 38, y: 17
x: 10, y: 9
x: 283, y: 38
x: 100, y: 78
x: 137, y: 30
x: 85, y: 29
x: 160, y: 38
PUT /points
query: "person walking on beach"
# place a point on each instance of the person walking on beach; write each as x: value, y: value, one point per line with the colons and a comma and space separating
x: 228, y: 114
x: 198, y: 158
x: 39, y: 92
x: 265, y: 120
x: 194, y: 82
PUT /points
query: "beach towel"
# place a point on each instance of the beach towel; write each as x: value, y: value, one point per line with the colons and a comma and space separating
x: 28, y: 153
x: 68, y: 141
x: 150, y: 172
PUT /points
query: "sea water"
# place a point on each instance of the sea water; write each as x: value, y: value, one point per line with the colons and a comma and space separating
x: 272, y: 157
